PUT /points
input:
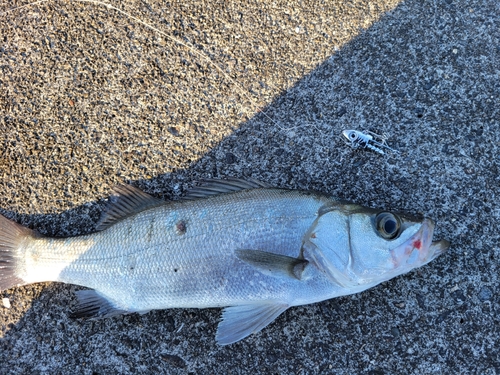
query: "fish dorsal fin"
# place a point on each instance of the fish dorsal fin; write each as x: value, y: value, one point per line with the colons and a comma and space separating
x: 272, y: 264
x: 240, y: 321
x: 125, y: 201
x: 210, y: 187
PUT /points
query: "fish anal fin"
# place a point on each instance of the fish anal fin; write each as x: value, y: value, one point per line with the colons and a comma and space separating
x: 126, y: 200
x: 92, y: 304
x: 273, y: 264
x: 240, y: 321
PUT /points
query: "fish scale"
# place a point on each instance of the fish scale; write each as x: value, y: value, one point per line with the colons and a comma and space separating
x: 252, y: 249
x: 269, y: 220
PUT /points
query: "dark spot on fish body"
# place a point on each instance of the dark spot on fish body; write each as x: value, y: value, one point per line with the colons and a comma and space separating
x: 176, y: 269
x: 131, y: 263
x: 180, y: 227
x: 222, y: 282
x: 151, y: 229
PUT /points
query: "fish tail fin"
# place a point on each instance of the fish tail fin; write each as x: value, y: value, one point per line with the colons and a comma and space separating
x: 12, y: 235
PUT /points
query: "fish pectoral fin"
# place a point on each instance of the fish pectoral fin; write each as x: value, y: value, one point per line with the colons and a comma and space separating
x: 240, y: 321
x: 91, y: 304
x: 273, y: 264
x: 125, y: 201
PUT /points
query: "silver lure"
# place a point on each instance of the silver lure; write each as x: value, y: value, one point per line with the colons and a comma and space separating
x: 240, y: 245
x: 367, y: 139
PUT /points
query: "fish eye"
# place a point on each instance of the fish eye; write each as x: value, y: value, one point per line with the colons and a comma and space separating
x: 353, y: 135
x: 388, y: 225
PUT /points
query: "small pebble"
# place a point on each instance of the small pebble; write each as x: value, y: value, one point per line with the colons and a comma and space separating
x: 428, y: 85
x: 174, y: 131
x: 6, y: 303
x: 341, y: 112
x: 174, y: 360
x: 485, y: 294
x: 231, y: 158
x: 458, y: 295
x: 395, y: 332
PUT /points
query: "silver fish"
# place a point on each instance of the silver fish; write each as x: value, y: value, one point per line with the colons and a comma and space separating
x: 240, y: 245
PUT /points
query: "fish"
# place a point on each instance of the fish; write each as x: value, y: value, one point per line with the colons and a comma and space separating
x: 242, y: 245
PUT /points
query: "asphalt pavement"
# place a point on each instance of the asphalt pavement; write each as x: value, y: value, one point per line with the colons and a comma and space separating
x: 162, y: 94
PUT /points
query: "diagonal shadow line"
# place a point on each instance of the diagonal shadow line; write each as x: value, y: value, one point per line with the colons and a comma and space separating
x: 104, y: 108
x: 301, y: 97
x: 325, y: 92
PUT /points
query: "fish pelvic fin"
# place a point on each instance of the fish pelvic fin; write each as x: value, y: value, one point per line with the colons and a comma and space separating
x: 92, y: 304
x: 239, y: 322
x: 12, y: 236
x: 272, y: 264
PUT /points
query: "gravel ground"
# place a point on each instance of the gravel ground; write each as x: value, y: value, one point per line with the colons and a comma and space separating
x: 173, y: 92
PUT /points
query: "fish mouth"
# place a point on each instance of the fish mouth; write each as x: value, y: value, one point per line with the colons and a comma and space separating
x: 431, y: 249
x: 419, y: 249
x: 438, y: 247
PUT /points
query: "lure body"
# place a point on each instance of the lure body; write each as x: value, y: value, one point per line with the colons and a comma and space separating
x: 368, y: 140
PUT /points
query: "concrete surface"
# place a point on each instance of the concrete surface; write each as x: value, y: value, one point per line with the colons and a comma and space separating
x: 90, y: 97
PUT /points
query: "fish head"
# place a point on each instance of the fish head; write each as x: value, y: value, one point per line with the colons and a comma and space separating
x: 361, y: 247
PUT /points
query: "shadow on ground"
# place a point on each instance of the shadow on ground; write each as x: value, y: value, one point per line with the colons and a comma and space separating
x: 426, y: 74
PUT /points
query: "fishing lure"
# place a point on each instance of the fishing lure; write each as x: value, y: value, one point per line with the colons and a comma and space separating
x: 367, y: 139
